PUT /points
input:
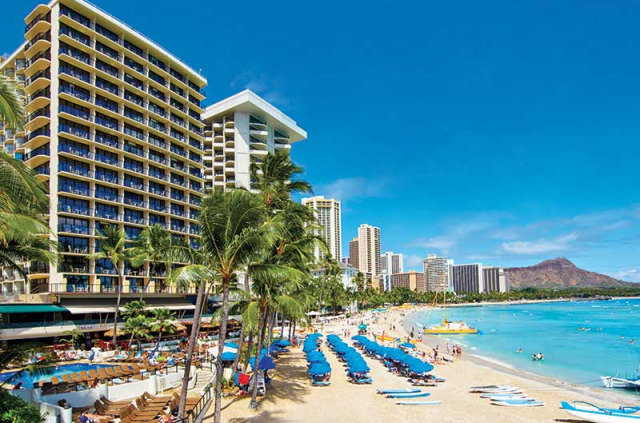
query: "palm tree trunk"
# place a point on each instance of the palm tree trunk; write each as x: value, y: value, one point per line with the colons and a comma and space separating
x: 193, y: 339
x: 131, y: 340
x: 282, y: 326
x: 262, y: 323
x: 270, y: 331
x: 221, y: 338
x: 117, y: 311
x: 237, y: 359
x: 249, y: 347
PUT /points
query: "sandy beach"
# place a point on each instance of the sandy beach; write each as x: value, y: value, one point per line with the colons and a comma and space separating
x: 290, y: 397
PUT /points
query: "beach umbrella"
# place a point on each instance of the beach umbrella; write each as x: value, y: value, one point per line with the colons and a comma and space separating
x: 319, y: 369
x: 362, y: 326
x: 407, y: 345
x: 282, y: 343
x: 266, y: 363
x: 228, y: 356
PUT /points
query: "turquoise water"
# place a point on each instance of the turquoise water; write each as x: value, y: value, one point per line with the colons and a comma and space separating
x: 55, y: 371
x: 571, y: 354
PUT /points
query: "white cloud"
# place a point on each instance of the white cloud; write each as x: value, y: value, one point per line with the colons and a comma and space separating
x: 630, y: 275
x: 540, y: 246
x: 412, y: 262
x: 345, y: 189
x: 441, y: 242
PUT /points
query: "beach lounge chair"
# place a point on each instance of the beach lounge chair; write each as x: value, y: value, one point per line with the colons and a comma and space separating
x: 66, y: 378
x: 110, y: 403
x: 154, y: 399
x: 75, y: 378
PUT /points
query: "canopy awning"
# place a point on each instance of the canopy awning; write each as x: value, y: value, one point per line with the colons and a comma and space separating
x: 87, y: 309
x: 30, y: 308
x: 183, y: 306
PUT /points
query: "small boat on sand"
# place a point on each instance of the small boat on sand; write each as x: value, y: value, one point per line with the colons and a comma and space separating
x: 503, y: 396
x: 496, y: 390
x: 416, y: 395
x: 399, y: 391
x: 418, y: 402
x: 518, y: 403
x: 592, y: 413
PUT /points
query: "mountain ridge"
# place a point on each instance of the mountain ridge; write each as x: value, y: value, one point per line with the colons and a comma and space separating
x: 560, y: 273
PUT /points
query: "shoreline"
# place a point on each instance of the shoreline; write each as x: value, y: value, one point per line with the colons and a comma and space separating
x: 549, y: 300
x: 599, y: 394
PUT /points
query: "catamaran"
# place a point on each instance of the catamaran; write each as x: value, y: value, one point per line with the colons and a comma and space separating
x: 448, y: 327
x: 620, y: 382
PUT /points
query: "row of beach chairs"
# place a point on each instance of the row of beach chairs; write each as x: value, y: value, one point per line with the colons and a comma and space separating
x: 115, y: 374
x: 145, y: 408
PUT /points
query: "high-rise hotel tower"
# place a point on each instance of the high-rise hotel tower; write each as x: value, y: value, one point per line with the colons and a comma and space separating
x: 240, y: 131
x: 327, y: 212
x: 114, y: 129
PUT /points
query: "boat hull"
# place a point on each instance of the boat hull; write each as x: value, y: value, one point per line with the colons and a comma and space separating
x: 599, y: 417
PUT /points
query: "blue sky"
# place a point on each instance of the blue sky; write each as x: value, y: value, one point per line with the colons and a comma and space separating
x: 503, y: 132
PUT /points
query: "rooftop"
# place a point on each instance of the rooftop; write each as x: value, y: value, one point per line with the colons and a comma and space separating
x: 250, y: 102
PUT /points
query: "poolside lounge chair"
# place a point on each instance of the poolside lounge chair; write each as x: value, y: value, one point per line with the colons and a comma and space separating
x: 66, y: 378
x: 154, y: 399
x: 110, y: 403
x: 75, y: 378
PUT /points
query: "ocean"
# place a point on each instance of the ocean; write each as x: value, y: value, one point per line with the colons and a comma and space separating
x: 608, y: 344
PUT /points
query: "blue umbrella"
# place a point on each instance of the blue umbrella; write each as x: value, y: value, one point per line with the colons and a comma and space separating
x: 282, y: 343
x: 228, y: 356
x: 319, y: 369
x: 266, y: 363
x: 407, y: 345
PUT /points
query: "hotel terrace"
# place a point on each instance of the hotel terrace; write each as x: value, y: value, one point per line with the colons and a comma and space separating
x: 116, y: 129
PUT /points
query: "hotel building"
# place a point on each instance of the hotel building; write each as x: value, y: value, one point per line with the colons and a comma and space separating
x: 114, y: 128
x: 369, y: 250
x: 327, y: 212
x: 391, y: 263
x: 240, y: 131
x: 468, y: 278
x: 437, y: 273
x: 495, y: 279
x: 478, y: 278
x: 354, y: 253
x: 411, y: 280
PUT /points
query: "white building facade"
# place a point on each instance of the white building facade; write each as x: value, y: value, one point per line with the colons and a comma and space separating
x: 437, y: 274
x: 327, y: 213
x: 239, y: 132
x: 369, y: 250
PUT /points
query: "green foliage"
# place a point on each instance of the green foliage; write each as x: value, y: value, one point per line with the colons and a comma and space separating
x: 15, y: 410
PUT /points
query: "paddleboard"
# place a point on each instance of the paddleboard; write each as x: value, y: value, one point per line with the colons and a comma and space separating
x: 418, y: 402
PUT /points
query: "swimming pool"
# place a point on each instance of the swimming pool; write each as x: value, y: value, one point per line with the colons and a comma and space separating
x: 56, y: 371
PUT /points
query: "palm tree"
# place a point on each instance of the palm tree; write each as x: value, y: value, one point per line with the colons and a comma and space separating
x: 277, y: 181
x: 291, y: 251
x: 138, y: 327
x: 114, y: 247
x: 162, y: 322
x: 131, y: 310
x: 11, y: 103
x: 154, y: 244
x: 76, y: 336
x: 231, y: 238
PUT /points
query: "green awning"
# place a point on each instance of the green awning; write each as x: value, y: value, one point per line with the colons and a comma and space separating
x: 30, y: 308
